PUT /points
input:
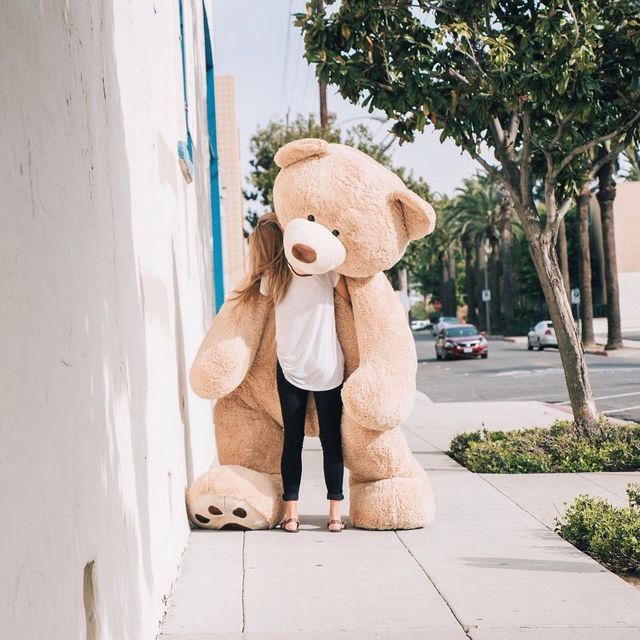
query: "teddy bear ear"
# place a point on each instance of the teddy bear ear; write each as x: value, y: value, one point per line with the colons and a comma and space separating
x: 418, y: 215
x: 299, y: 150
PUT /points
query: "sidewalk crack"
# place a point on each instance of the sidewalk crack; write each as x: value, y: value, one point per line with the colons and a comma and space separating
x: 463, y: 626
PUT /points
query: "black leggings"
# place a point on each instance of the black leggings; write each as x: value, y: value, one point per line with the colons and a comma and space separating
x: 293, y: 402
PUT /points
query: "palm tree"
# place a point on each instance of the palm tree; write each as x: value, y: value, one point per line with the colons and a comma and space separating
x: 586, y: 291
x: 632, y: 156
x: 506, y: 233
x: 476, y: 216
x: 606, y: 195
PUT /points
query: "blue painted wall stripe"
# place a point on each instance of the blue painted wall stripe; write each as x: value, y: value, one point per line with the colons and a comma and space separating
x: 216, y: 226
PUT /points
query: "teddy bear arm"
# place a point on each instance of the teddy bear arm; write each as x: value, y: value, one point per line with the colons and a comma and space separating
x: 380, y: 393
x: 229, y: 348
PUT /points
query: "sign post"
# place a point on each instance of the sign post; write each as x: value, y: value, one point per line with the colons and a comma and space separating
x: 575, y: 299
x: 486, y: 298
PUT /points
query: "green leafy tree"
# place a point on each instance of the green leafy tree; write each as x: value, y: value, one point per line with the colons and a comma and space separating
x: 540, y: 84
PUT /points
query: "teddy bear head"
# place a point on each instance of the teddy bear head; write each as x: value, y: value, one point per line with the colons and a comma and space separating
x: 342, y: 210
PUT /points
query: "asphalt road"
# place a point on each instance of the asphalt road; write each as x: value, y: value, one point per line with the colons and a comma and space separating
x: 513, y: 373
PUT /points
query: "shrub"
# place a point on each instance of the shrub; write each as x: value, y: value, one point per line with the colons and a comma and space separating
x: 560, y: 448
x: 610, y: 535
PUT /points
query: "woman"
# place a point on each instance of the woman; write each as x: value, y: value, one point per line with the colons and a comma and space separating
x: 309, y: 358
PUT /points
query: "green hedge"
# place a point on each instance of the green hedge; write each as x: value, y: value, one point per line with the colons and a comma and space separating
x: 610, y: 535
x: 560, y: 448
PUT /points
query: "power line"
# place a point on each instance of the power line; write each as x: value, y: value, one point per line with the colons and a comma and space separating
x: 286, y: 57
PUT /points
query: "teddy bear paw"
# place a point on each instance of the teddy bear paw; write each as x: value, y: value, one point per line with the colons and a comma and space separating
x: 392, y: 503
x: 234, y: 497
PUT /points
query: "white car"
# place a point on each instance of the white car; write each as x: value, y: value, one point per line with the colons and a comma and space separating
x: 442, y: 323
x: 420, y: 325
x: 542, y: 335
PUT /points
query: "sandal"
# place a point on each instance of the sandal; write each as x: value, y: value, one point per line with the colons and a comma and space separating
x: 341, y: 522
x: 284, y: 522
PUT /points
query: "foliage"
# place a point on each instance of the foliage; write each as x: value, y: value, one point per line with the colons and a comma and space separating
x: 540, y: 83
x: 561, y: 448
x: 417, y: 311
x: 632, y: 157
x: 470, y: 67
x: 610, y: 535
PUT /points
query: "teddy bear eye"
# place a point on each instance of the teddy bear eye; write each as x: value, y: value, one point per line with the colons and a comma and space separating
x: 335, y: 232
x: 311, y: 217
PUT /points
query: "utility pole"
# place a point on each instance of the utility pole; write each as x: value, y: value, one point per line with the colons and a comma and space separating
x: 324, y: 116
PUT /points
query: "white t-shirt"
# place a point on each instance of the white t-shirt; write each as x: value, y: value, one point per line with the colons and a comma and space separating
x: 307, y: 344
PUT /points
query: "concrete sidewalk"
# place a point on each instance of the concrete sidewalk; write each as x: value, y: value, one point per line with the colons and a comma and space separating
x: 489, y: 568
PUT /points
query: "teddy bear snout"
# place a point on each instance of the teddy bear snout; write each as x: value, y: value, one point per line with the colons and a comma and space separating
x: 304, y: 253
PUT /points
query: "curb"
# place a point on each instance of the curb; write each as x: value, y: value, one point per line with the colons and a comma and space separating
x: 597, y: 352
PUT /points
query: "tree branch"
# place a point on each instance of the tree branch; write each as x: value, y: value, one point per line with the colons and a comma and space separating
x: 513, y: 127
x: 575, y: 23
x: 592, y: 143
x: 525, y: 161
x: 458, y: 76
x: 615, y: 151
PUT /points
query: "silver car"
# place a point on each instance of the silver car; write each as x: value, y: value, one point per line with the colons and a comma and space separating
x: 542, y: 335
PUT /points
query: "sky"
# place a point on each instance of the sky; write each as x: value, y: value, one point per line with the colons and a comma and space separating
x: 254, y: 41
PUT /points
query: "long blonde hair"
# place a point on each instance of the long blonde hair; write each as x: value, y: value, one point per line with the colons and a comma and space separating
x: 266, y: 257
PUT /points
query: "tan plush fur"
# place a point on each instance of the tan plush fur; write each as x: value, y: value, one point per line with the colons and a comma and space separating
x: 376, y: 216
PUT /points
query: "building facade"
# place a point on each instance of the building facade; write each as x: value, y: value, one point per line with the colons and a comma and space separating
x: 231, y: 198
x: 626, y: 212
x: 108, y: 270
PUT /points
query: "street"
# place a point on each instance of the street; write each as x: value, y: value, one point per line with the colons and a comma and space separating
x: 513, y: 373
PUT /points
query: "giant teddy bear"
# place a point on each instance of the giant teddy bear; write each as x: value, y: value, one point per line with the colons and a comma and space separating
x: 358, y: 217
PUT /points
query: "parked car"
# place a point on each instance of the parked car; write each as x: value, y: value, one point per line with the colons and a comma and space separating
x: 420, y: 325
x: 542, y: 335
x: 461, y: 341
x: 442, y: 323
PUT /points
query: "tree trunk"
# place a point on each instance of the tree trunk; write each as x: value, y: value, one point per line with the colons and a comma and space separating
x: 606, y: 196
x: 480, y: 265
x: 563, y: 258
x: 583, y: 405
x: 453, y: 293
x: 470, y: 284
x: 448, y: 285
x: 506, y: 233
x: 496, y: 316
x: 586, y: 292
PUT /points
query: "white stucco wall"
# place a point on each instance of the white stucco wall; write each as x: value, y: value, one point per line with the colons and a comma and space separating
x: 105, y: 275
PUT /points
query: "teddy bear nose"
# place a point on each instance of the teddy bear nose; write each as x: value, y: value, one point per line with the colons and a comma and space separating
x: 303, y: 252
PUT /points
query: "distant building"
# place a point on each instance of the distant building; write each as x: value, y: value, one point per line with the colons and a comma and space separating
x: 626, y: 209
x: 234, y: 244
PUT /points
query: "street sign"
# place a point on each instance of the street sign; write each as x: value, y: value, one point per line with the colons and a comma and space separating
x: 575, y: 296
x: 486, y: 295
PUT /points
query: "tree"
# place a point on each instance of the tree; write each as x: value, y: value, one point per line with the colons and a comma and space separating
x: 632, y: 156
x: 586, y: 291
x: 477, y: 213
x: 606, y: 196
x: 482, y: 73
x: 506, y: 249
